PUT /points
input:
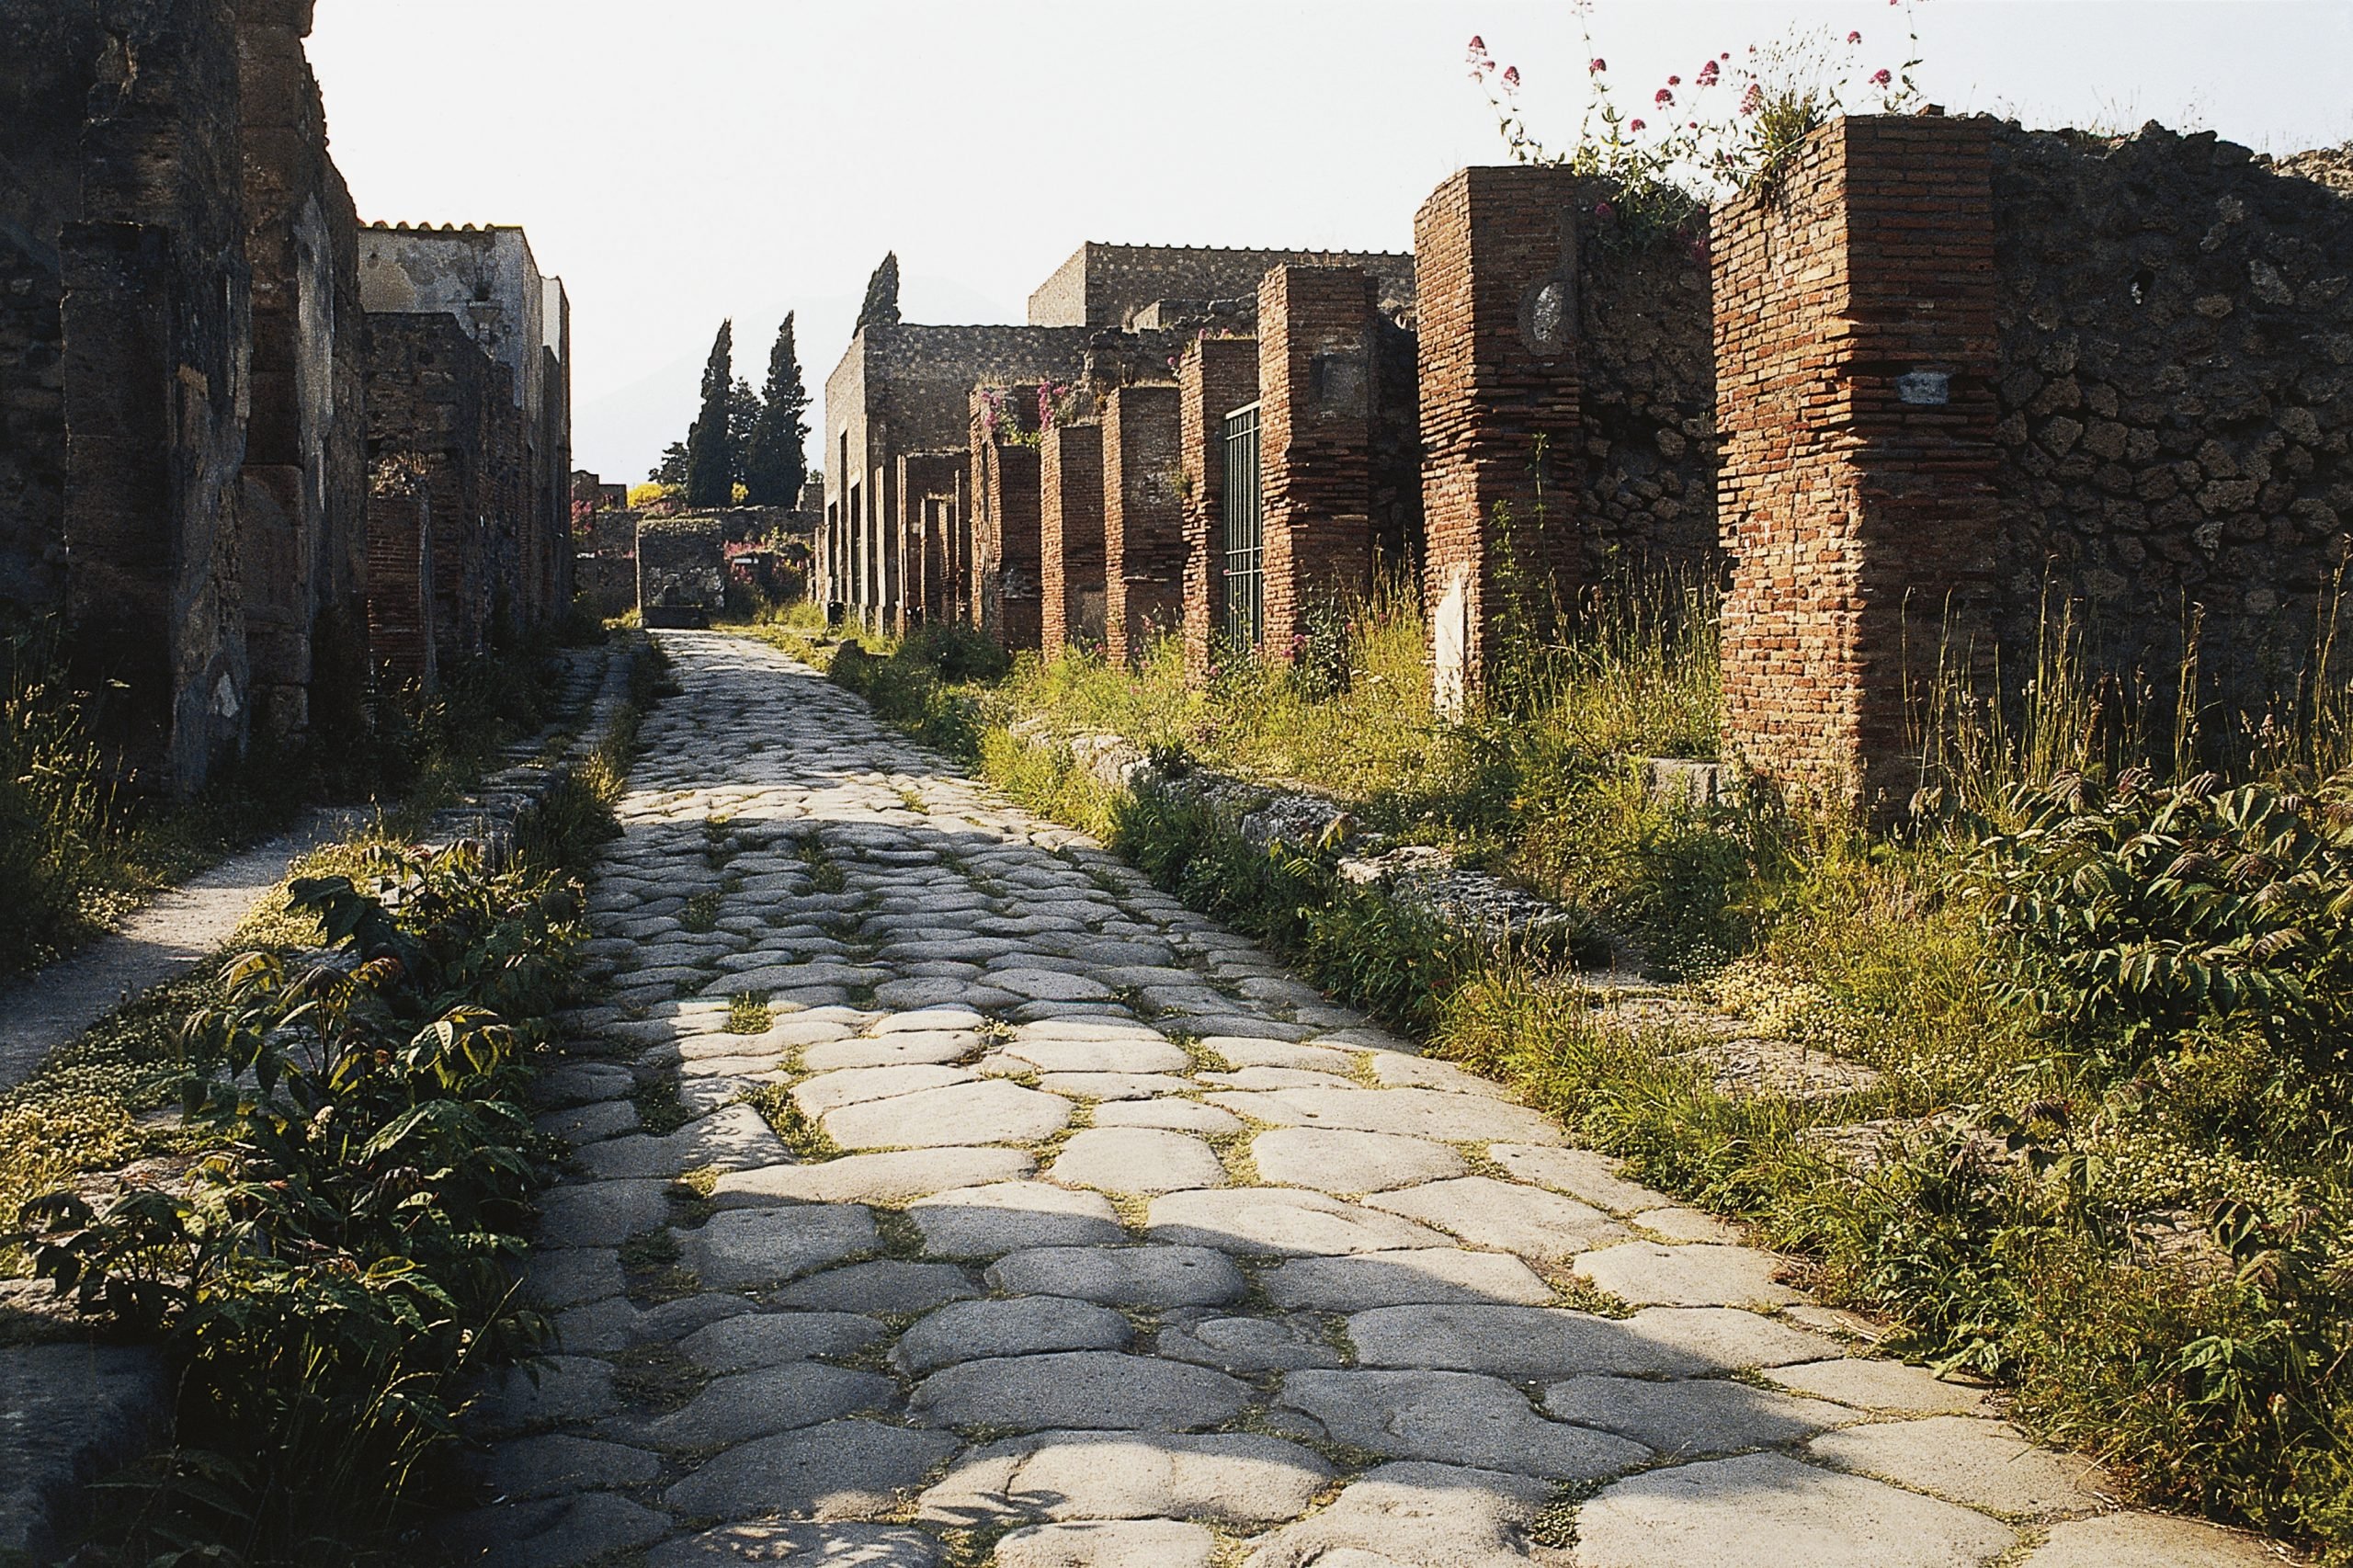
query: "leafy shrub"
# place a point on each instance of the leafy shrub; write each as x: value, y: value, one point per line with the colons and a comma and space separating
x: 55, y: 807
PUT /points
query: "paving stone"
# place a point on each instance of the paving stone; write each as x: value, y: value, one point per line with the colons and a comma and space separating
x: 557, y: 1462
x: 1685, y: 1418
x: 1421, y: 1274
x: 597, y: 1328
x: 1650, y: 1274
x: 1265, y: 1221
x: 1986, y: 1464
x: 885, y: 1286
x: 1486, y: 1212
x: 1881, y: 1385
x: 1350, y: 1162
x: 602, y: 1213
x: 1454, y: 1418
x: 890, y: 1050
x: 1138, y: 1543
x: 568, y: 1277
x: 554, y: 1532
x: 978, y: 1221
x: 1114, y: 1085
x: 1542, y: 1342
x: 923, y: 993
x: 1097, y: 1389
x: 1226, y: 1477
x: 2148, y: 1541
x: 1416, y: 1113
x: 556, y: 1389
x: 811, y: 1546
x: 580, y: 1083
x: 929, y: 1020
x: 1391, y: 1070
x: 733, y: 1139
x: 587, y: 1123
x: 771, y: 1399
x: 894, y: 1177
x: 855, y: 1086
x: 1239, y: 1052
x: 1278, y: 1078
x: 994, y: 1112
x: 1136, y: 1160
x: 1135, y: 1051
x: 1025, y: 1325
x: 1180, y: 1116
x: 1689, y: 1225
x: 1770, y: 1511
x: 1416, y: 1516
x: 1580, y: 1172
x: 1130, y: 1276
x: 766, y: 1246
x: 840, y: 1470
x: 769, y: 1339
x: 1247, y: 1344
x: 1049, y: 985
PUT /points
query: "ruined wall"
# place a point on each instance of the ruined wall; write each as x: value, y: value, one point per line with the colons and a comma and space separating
x: 1106, y: 285
x: 681, y: 571
x: 1216, y: 376
x: 1315, y: 389
x: 1646, y: 364
x: 1144, y: 524
x: 1070, y: 537
x: 919, y: 538
x: 1004, y: 489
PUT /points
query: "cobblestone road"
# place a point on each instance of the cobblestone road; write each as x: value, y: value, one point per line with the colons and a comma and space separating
x: 1136, y: 1249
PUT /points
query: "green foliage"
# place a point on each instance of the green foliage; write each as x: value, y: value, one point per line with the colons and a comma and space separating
x: 775, y: 458
x: 711, y: 447
x: 338, y: 1266
x: 56, y: 807
x: 918, y: 684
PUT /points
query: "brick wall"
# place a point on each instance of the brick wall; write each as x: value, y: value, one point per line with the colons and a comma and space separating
x: 1216, y: 376
x: 920, y: 477
x: 1070, y: 537
x: 1315, y: 388
x: 1854, y: 338
x: 1144, y: 537
x: 1003, y: 591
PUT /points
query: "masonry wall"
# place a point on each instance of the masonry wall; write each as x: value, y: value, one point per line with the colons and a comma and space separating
x: 1316, y: 367
x: 1006, y: 569
x: 1108, y: 285
x: 1070, y: 537
x: 919, y: 479
x: 1143, y: 522
x: 1216, y: 376
x: 681, y: 571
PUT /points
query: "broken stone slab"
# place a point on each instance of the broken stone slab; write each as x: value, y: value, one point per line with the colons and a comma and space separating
x: 1967, y: 1460
x: 895, y: 1178
x: 743, y: 1405
x: 1459, y: 1418
x: 1025, y: 1325
x: 1652, y: 1274
x: 838, y: 1469
x: 1136, y: 1160
x: 2148, y: 1541
x: 1245, y: 1346
x: 1416, y: 1514
x: 1226, y: 1477
x: 1339, y: 1161
x: 885, y: 1286
x: 818, y: 1546
x: 552, y: 1532
x: 766, y: 1246
x: 770, y: 1339
x: 1881, y: 1385
x: 990, y: 1112
x: 1149, y: 1276
x: 1266, y: 1220
x: 979, y: 1221
x: 1580, y: 1172
x: 1770, y: 1511
x: 733, y: 1139
x: 602, y: 1213
x: 1137, y: 1544
x: 1483, y: 1211
x: 1414, y: 1276
x: 1099, y: 1390
x: 1690, y: 1417
x: 1555, y: 1342
x: 1179, y: 1116
x: 68, y: 1414
x: 1414, y: 1113
x: 557, y: 1462
x: 855, y: 1086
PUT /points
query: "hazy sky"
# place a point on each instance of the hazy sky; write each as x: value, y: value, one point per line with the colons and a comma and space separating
x: 688, y: 160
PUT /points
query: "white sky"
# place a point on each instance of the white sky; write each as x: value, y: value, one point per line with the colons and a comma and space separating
x: 685, y: 160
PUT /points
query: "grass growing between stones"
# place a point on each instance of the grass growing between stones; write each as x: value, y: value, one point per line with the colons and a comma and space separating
x: 2106, y: 1156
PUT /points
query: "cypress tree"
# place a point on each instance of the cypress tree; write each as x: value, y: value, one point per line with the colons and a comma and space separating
x: 774, y: 461
x: 710, y: 450
x: 882, y: 307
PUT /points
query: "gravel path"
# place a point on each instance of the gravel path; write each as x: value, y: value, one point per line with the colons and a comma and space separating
x: 1136, y: 1249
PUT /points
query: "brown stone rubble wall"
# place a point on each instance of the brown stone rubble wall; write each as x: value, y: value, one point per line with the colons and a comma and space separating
x: 1143, y: 538
x: 1070, y: 537
x: 1216, y: 376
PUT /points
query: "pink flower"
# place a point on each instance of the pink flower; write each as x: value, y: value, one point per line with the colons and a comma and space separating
x: 1664, y: 97
x: 1598, y: 65
x: 1880, y: 77
x: 1477, y: 44
x: 1675, y: 81
x: 1854, y: 38
x: 1603, y: 209
x: 1634, y: 125
x: 1753, y: 99
x: 1511, y: 78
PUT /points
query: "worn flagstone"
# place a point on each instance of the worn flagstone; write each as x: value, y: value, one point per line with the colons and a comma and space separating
x: 1042, y: 1207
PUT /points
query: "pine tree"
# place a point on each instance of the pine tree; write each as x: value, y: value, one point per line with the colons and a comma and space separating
x: 710, y: 452
x: 671, y: 472
x: 882, y: 307
x: 774, y: 461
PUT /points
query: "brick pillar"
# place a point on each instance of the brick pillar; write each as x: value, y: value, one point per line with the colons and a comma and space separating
x: 1070, y: 537
x: 1496, y: 281
x: 1143, y: 522
x: 920, y: 478
x: 1855, y: 360
x: 1003, y: 584
x: 1316, y: 371
x: 1216, y: 376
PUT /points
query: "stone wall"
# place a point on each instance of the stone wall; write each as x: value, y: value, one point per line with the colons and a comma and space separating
x: 1315, y: 390
x: 1109, y: 285
x: 1216, y: 376
x: 681, y: 571
x: 1004, y: 522
x: 1143, y: 538
x: 1070, y: 537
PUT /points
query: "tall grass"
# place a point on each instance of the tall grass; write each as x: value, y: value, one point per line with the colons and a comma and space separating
x: 57, y: 808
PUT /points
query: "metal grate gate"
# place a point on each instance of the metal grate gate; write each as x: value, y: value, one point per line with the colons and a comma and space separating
x: 1245, y: 583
